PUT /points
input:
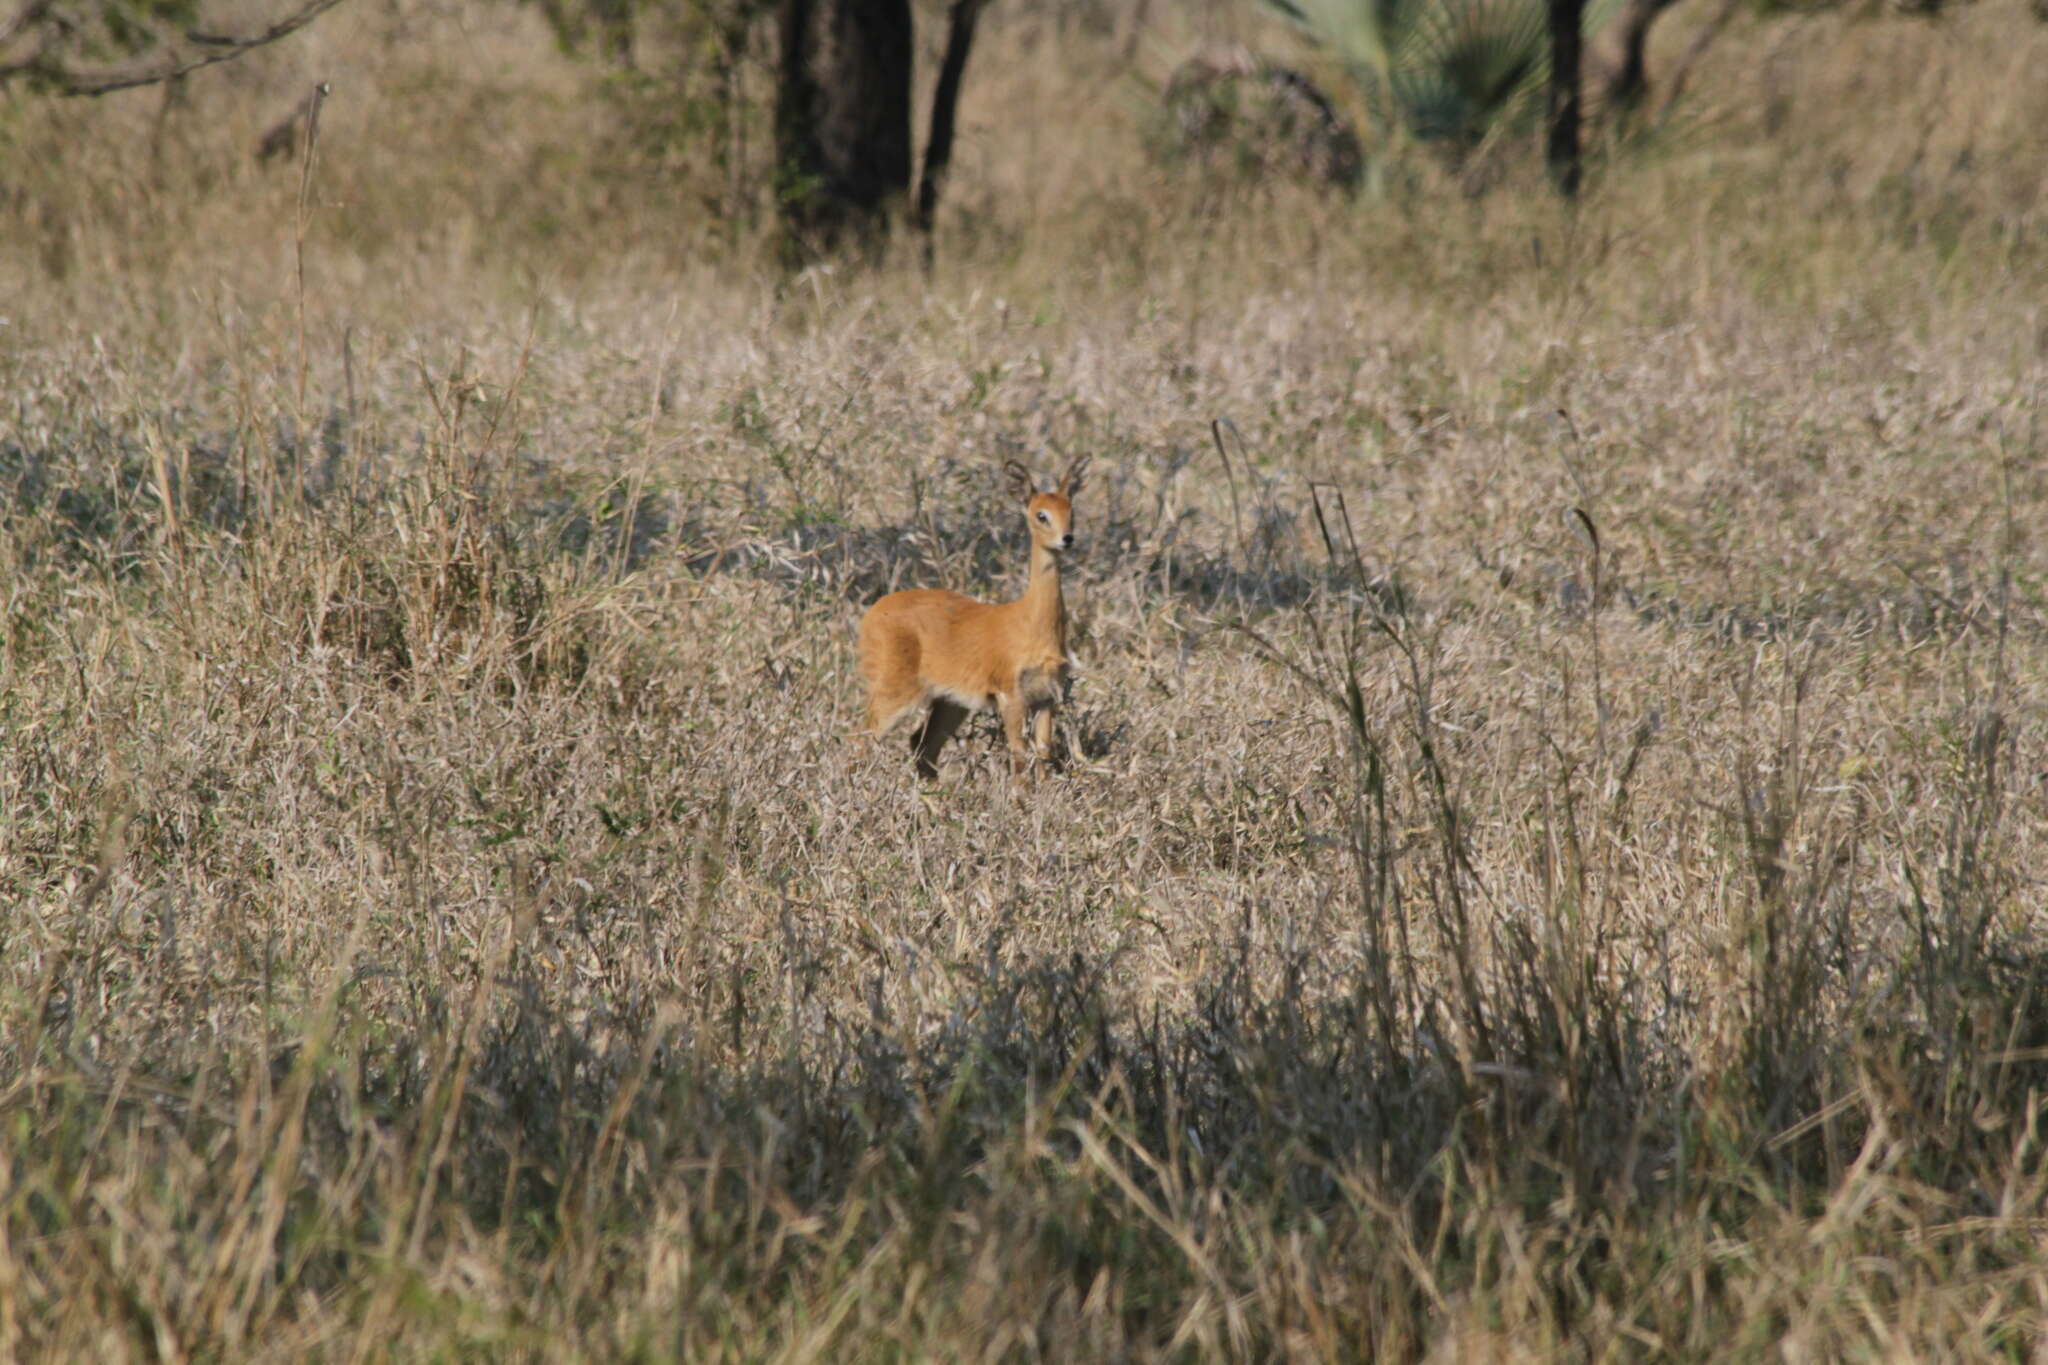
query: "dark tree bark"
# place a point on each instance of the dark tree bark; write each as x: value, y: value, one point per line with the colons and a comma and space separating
x: 938, y: 147
x: 1628, y: 79
x: 1566, y: 42
x: 842, y: 118
x: 796, y: 108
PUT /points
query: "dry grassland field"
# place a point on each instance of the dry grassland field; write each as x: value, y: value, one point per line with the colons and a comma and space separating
x: 1545, y: 855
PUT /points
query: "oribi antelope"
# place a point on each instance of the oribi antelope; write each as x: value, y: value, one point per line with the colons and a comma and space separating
x: 937, y: 654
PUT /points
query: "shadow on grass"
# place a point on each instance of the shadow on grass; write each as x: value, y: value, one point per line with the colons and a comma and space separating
x: 1092, y: 1137
x: 969, y: 535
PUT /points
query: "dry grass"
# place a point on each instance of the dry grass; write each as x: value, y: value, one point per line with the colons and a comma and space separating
x: 446, y: 914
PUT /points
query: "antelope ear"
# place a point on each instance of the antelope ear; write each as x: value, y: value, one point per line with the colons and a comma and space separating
x: 1026, y: 486
x: 1071, y: 484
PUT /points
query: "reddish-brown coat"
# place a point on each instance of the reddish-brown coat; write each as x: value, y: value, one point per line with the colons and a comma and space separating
x: 944, y: 654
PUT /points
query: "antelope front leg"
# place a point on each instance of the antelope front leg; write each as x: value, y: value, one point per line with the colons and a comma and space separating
x: 1041, y: 726
x: 1012, y: 707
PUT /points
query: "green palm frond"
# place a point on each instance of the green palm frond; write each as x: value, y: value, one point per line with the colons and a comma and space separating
x: 1471, y: 66
x: 1448, y: 72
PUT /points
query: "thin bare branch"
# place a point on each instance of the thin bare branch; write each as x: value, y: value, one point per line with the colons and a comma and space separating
x: 53, y: 74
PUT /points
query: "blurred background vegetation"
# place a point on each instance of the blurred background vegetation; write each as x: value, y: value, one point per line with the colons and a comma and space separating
x: 718, y: 124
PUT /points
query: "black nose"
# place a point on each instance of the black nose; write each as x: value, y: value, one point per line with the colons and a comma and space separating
x: 1067, y: 541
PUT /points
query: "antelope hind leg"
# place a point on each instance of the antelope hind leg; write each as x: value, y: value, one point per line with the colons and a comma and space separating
x: 931, y: 737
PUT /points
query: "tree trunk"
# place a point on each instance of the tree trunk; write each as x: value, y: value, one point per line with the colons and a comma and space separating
x: 1628, y: 78
x: 1566, y: 40
x: 842, y: 118
x: 938, y: 147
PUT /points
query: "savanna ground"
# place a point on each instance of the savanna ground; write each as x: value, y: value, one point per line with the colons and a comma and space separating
x: 447, y: 915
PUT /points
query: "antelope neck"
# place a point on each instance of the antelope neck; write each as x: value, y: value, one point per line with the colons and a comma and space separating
x: 1044, y: 608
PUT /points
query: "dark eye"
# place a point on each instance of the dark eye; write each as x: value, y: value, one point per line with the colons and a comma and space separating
x: 1041, y: 516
